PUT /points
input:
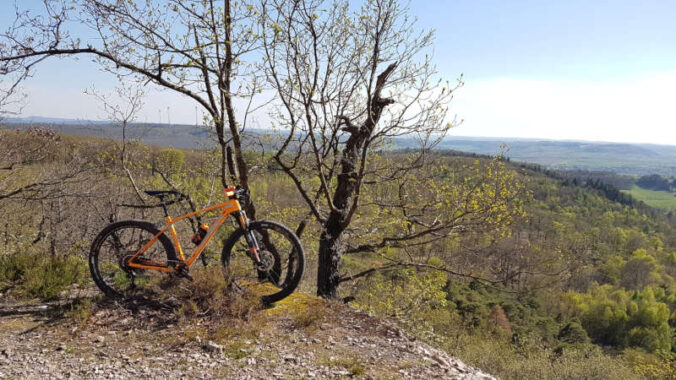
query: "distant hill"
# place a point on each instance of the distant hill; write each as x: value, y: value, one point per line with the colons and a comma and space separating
x: 632, y: 159
x: 175, y: 135
x: 52, y: 120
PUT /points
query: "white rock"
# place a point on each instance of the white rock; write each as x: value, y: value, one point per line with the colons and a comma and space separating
x: 212, y: 347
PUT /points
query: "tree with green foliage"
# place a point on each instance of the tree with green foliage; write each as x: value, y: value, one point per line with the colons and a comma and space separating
x: 654, y: 182
x: 621, y: 318
x: 348, y: 81
x: 636, y: 272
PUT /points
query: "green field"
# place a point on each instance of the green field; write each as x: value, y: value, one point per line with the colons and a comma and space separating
x: 659, y: 199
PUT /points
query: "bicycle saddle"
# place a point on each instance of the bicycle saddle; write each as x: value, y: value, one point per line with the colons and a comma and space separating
x: 161, y: 193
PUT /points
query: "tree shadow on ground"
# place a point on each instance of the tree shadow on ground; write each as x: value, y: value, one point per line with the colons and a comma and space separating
x: 155, y: 313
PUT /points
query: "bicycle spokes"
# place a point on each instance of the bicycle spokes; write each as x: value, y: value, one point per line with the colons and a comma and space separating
x: 277, y: 264
x: 115, y: 252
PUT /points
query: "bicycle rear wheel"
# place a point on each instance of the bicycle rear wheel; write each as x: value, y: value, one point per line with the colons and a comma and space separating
x: 282, y: 261
x: 112, y: 249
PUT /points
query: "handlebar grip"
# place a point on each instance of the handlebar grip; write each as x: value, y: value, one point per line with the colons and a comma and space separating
x: 240, y: 193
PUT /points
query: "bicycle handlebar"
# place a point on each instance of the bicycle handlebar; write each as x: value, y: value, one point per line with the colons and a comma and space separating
x: 240, y: 193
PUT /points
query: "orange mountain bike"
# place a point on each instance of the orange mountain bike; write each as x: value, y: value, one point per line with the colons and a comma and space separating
x: 130, y: 255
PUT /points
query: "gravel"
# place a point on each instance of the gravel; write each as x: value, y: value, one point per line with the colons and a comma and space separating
x: 115, y: 343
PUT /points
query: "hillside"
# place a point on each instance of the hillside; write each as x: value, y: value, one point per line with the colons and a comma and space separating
x: 631, y: 159
x: 579, y: 282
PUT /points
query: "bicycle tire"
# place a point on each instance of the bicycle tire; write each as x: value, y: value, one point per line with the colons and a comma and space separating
x: 296, y: 257
x: 166, y: 254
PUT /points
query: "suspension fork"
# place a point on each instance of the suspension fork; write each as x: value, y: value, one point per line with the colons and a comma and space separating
x: 249, y: 235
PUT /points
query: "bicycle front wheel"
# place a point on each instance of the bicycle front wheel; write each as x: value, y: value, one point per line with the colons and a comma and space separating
x: 282, y: 261
x: 112, y: 249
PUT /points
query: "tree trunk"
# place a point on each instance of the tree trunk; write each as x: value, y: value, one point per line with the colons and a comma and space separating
x: 221, y: 141
x: 347, y: 186
x: 242, y: 168
x: 330, y: 251
x: 330, y: 247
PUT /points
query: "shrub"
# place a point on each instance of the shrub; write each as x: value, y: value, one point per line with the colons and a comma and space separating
x: 532, y: 360
x: 81, y: 311
x: 209, y: 296
x: 402, y: 293
x: 573, y: 332
x: 41, y: 276
x: 650, y: 339
x: 651, y: 366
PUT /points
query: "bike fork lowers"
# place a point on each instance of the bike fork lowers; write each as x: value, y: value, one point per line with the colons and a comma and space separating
x: 250, y: 238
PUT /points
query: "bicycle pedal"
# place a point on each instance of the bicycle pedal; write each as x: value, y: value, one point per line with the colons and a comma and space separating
x: 184, y: 273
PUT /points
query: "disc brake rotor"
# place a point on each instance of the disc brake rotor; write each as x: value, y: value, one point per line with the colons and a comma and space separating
x: 267, y: 261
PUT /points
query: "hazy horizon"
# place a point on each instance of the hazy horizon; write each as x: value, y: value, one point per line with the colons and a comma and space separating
x: 64, y: 121
x: 569, y: 71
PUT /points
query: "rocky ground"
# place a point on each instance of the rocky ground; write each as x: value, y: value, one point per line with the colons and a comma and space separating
x: 302, y: 337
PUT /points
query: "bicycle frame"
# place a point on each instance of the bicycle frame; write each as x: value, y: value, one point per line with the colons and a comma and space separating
x: 232, y: 206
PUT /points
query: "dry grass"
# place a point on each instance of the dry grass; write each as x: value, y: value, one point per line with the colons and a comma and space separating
x: 208, y: 309
x: 346, y: 361
x: 209, y: 296
x: 11, y: 325
x: 81, y: 311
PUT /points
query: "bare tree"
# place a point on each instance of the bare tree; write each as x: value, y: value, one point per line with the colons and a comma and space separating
x: 195, y: 48
x: 20, y: 152
x: 11, y: 97
x: 348, y: 82
x: 43, y: 183
x: 13, y: 73
x: 123, y: 111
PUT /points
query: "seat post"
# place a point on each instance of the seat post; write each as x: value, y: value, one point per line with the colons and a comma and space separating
x: 164, y: 207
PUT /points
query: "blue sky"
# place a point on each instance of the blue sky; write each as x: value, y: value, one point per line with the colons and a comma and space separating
x: 587, y: 70
x: 585, y: 40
